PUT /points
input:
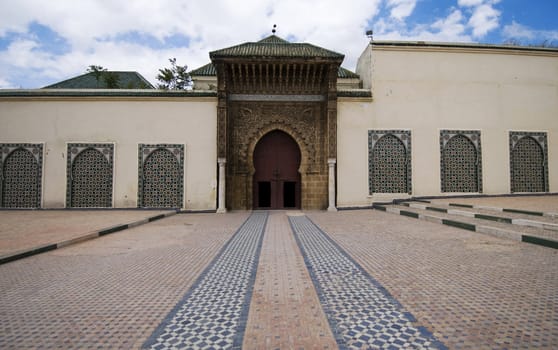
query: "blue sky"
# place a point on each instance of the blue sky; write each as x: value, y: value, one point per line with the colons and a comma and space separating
x: 43, y: 42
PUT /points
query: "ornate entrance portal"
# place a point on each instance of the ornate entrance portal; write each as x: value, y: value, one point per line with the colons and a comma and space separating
x: 264, y: 87
x: 276, y: 180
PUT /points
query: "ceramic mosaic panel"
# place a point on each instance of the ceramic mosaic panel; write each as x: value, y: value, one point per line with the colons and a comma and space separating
x: 90, y: 173
x: 360, y: 311
x: 389, y: 161
x: 161, y: 176
x: 528, y: 161
x: 214, y: 311
x: 21, y: 175
x: 460, y: 161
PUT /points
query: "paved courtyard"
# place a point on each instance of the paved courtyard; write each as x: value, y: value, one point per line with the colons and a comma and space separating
x: 279, y: 280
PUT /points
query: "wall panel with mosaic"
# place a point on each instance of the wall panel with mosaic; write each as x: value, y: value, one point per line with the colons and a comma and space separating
x: 389, y: 161
x: 21, y: 175
x: 161, y: 175
x: 89, y: 175
x: 528, y: 161
x: 461, y: 161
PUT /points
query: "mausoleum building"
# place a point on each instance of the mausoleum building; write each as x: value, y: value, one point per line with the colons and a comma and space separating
x: 274, y: 125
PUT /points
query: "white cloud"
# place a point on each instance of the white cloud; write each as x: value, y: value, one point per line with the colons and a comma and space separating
x: 484, y: 17
x: 452, y: 25
x: 448, y: 29
x: 518, y: 31
x: 5, y: 84
x: 470, y: 3
x: 96, y: 30
x: 401, y: 9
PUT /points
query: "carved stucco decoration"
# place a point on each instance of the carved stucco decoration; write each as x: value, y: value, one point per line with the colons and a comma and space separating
x: 302, y: 120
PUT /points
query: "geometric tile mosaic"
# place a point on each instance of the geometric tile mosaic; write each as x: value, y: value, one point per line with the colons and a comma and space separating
x: 89, y: 175
x: 389, y: 161
x: 21, y: 166
x: 460, y: 161
x: 213, y: 313
x: 160, y: 175
x: 528, y: 161
x: 361, y: 313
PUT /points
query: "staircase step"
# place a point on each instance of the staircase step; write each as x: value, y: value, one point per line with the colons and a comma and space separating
x: 499, y: 209
x: 546, y: 223
x: 500, y: 227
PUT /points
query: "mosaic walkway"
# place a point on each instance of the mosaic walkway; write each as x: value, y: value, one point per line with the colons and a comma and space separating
x: 214, y: 312
x: 212, y: 315
x: 314, y: 280
x: 360, y: 311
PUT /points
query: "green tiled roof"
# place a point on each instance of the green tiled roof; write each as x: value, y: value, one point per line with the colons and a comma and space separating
x: 126, y: 80
x: 209, y: 70
x: 273, y: 46
x: 345, y: 73
x: 273, y: 39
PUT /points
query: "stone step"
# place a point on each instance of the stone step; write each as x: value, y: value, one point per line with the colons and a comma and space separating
x: 546, y: 223
x: 491, y: 227
x: 529, y: 213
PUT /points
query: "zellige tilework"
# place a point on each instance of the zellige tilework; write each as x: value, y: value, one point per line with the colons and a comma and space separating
x: 160, y: 175
x: 20, y: 175
x: 460, y: 161
x: 214, y: 311
x: 528, y: 161
x: 362, y: 314
x: 89, y: 175
x: 389, y: 163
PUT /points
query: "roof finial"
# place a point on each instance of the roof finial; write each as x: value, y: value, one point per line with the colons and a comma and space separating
x: 273, y: 30
x: 370, y: 34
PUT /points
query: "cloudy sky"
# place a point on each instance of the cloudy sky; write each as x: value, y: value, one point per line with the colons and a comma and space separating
x: 43, y: 42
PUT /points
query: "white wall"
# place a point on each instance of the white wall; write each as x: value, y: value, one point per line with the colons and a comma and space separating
x: 126, y: 123
x: 425, y: 89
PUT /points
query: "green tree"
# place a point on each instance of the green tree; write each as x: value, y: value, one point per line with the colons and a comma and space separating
x: 174, y: 78
x: 110, y: 79
x: 97, y: 71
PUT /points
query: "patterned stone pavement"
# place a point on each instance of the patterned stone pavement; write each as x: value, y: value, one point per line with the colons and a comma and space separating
x: 110, y: 292
x: 471, y: 290
x: 468, y: 290
x: 285, y: 312
x: 25, y: 229
x: 212, y: 315
x: 361, y: 312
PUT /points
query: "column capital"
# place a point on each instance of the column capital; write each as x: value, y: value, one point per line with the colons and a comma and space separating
x: 221, y: 160
x: 331, y: 161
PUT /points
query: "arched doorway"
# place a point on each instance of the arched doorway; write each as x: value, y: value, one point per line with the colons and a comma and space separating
x: 276, y: 180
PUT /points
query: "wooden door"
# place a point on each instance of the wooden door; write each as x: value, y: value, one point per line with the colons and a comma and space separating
x: 277, y: 180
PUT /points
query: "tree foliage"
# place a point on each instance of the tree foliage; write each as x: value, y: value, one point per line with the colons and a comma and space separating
x: 110, y: 79
x: 174, y: 78
x: 96, y: 70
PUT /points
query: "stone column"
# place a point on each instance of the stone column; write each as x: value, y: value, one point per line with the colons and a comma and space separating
x: 222, y: 188
x: 331, y: 184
